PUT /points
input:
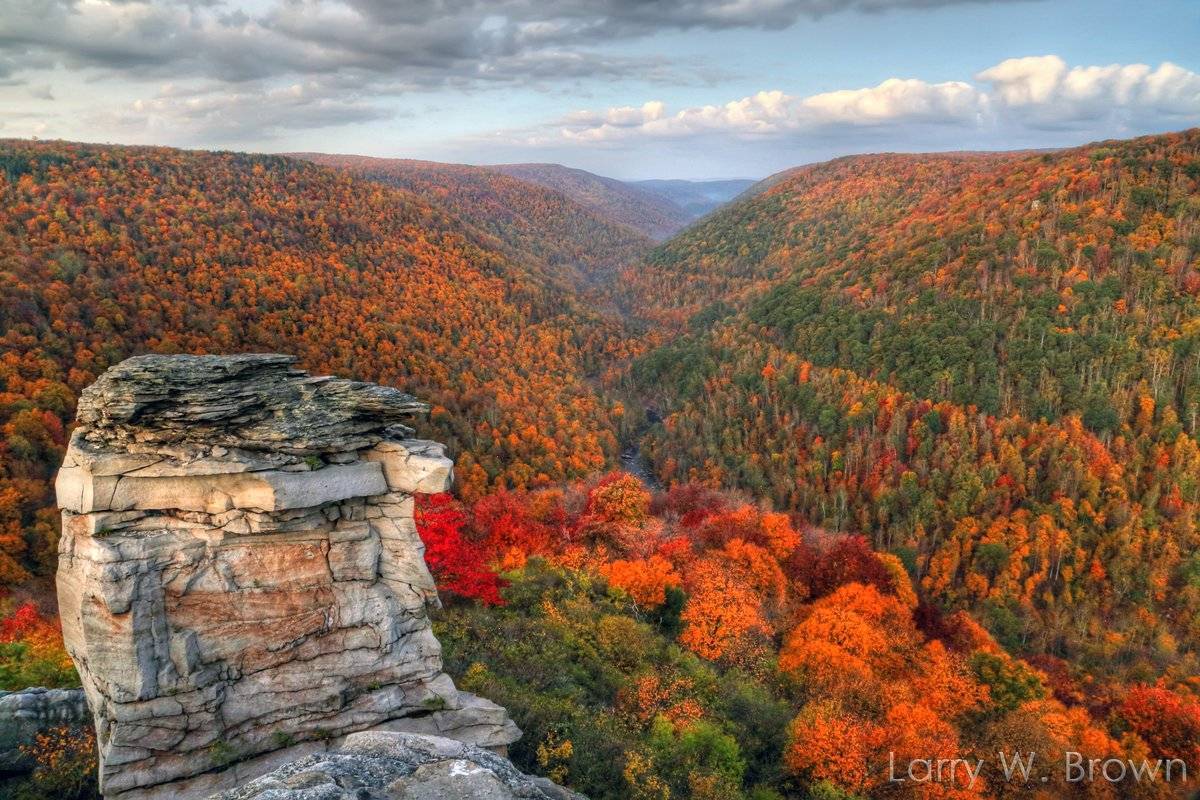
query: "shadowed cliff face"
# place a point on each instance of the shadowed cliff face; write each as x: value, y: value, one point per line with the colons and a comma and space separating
x: 240, y: 574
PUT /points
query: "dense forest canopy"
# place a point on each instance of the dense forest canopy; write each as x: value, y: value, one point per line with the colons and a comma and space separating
x: 985, y: 363
x: 110, y: 251
x: 922, y: 432
x: 1037, y: 284
x: 650, y: 212
x: 530, y: 221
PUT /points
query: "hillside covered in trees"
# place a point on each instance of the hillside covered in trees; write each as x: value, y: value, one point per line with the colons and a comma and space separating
x: 690, y: 644
x: 985, y: 363
x: 528, y: 220
x: 650, y: 212
x: 922, y: 430
x: 110, y: 251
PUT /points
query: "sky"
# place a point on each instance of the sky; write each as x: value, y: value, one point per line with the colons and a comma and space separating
x: 697, y: 89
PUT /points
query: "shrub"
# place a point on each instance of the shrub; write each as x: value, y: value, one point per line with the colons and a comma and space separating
x: 65, y: 759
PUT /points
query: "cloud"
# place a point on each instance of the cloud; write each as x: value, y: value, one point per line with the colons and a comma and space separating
x: 576, y: 19
x: 87, y: 33
x: 418, y: 42
x: 896, y: 100
x: 1018, y: 93
x: 773, y: 113
x: 1043, y: 91
x: 212, y: 114
x: 261, y: 50
x: 23, y: 123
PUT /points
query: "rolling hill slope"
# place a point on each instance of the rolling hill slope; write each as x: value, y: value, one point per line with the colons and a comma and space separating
x: 646, y: 211
x: 110, y: 251
x: 1053, y: 276
x: 529, y: 221
x: 990, y: 363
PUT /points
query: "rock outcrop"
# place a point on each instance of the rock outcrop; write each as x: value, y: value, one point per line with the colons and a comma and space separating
x: 240, y: 576
x: 25, y: 714
x: 400, y: 766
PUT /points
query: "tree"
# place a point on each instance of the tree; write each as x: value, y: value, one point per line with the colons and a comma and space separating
x: 458, y: 566
x: 827, y: 745
x: 721, y: 614
x: 645, y: 580
x: 1168, y: 722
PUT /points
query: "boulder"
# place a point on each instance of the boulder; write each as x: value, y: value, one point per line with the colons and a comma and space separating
x: 399, y: 766
x: 240, y: 576
x: 25, y: 714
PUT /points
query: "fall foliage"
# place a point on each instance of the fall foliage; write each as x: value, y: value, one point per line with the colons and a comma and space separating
x: 110, y: 251
x: 585, y: 651
x: 985, y: 364
x: 531, y: 222
x: 920, y: 432
x: 31, y: 649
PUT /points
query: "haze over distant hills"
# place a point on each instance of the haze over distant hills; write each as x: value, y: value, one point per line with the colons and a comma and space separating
x: 697, y: 198
x: 651, y: 212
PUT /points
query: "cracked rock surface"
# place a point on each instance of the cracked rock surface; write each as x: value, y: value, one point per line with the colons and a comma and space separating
x: 400, y: 766
x: 240, y: 577
x: 256, y: 401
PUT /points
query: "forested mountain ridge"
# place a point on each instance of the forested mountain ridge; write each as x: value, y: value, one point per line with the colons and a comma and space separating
x: 744, y: 248
x: 1037, y: 283
x: 929, y: 474
x: 646, y: 211
x: 986, y: 362
x: 531, y: 221
x: 107, y: 251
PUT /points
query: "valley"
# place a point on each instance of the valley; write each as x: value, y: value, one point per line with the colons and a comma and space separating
x: 922, y: 469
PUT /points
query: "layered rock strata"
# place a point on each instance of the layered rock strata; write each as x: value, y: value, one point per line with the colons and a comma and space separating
x: 240, y: 573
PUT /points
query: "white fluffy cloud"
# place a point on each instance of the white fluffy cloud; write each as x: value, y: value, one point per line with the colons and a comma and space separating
x: 898, y: 100
x: 771, y: 113
x: 1045, y: 91
x: 1035, y: 92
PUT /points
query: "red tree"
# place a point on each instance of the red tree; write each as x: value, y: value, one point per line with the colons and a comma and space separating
x: 1167, y: 722
x: 458, y: 565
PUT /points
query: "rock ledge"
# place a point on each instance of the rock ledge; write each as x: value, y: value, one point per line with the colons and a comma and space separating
x: 240, y: 575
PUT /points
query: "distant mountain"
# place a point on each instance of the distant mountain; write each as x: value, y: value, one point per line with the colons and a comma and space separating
x: 530, y: 221
x: 697, y: 198
x: 648, y: 211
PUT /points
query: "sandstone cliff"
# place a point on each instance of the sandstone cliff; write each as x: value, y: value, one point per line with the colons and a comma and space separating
x: 240, y: 577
